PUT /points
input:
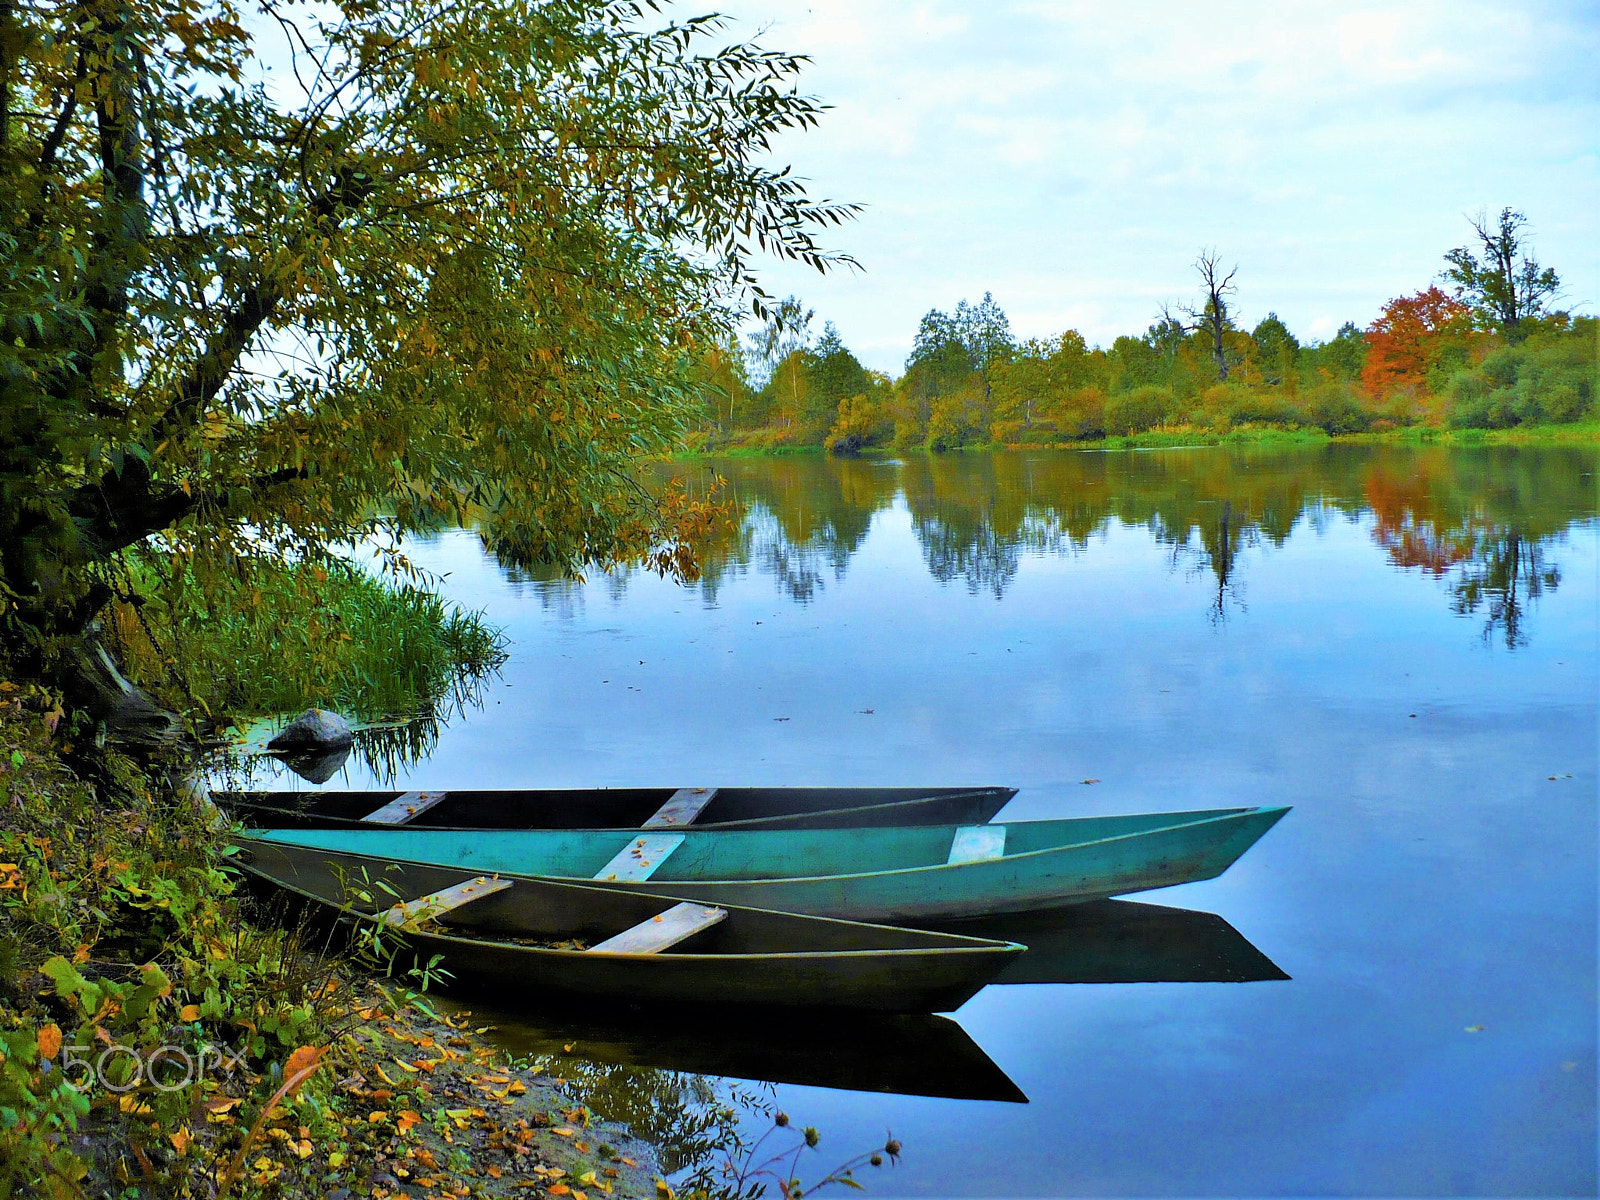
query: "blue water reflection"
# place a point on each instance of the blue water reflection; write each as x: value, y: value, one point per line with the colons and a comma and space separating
x: 1400, y: 643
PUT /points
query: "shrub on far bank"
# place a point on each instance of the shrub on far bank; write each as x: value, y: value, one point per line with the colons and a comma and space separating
x: 1335, y: 406
x: 862, y: 422
x: 1550, y: 378
x: 1138, y: 410
x: 1081, y: 414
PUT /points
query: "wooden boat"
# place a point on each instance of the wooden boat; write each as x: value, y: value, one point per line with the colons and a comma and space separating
x: 642, y: 948
x: 619, y: 808
x: 912, y: 875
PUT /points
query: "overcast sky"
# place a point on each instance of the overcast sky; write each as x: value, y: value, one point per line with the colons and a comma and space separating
x: 1072, y: 158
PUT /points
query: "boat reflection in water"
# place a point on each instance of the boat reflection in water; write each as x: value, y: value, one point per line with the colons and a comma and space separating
x: 1123, y: 941
x: 911, y: 1055
x: 1107, y: 941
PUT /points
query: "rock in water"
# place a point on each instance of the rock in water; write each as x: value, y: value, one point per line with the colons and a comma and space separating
x: 314, y: 729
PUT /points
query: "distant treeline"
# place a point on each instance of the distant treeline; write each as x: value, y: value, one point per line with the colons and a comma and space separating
x: 1490, y: 352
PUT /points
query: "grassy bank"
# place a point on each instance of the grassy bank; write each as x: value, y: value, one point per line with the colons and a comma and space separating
x: 1579, y: 434
x: 162, y: 1035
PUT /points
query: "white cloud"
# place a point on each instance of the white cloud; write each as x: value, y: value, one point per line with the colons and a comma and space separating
x: 1072, y: 157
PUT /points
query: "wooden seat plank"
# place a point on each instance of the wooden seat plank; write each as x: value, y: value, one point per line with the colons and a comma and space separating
x: 662, y: 931
x: 977, y: 843
x: 682, y: 808
x: 639, y: 859
x: 437, y: 903
x: 404, y: 807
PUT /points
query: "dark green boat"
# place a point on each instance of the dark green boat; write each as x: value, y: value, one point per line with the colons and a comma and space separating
x: 639, y: 948
x: 904, y: 875
x: 619, y: 808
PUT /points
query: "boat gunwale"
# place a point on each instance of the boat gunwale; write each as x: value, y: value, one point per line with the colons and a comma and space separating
x: 763, y: 880
x: 229, y: 799
x: 964, y: 943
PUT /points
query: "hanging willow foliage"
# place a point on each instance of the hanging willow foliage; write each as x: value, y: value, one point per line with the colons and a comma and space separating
x: 277, y: 280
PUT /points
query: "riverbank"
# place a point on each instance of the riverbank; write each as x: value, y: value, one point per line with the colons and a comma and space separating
x: 162, y: 1037
x: 1579, y: 434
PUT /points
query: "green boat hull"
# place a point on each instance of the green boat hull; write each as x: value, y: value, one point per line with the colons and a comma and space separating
x: 859, y: 874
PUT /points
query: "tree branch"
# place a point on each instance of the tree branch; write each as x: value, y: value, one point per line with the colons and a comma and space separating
x: 350, y: 191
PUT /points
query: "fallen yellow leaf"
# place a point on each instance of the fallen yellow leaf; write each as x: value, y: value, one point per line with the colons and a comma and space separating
x: 189, y: 1012
x: 49, y: 1041
x: 180, y: 1140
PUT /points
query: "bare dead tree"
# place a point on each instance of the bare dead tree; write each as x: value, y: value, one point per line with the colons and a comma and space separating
x: 1212, y: 315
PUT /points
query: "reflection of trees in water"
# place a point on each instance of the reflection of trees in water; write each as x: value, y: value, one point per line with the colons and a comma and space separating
x: 1504, y: 574
x: 799, y: 568
x: 963, y: 550
x: 1485, y: 517
x: 1485, y: 523
x: 1216, y: 545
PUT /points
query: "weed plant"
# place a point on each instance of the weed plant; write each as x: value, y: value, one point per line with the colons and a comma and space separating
x: 278, y: 638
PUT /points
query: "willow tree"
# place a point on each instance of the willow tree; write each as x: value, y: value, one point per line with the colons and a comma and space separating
x: 273, y: 282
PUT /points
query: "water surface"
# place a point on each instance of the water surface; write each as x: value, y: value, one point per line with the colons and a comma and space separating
x: 1399, y: 643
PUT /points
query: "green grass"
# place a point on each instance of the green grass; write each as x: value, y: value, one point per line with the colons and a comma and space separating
x: 1582, y: 433
x: 285, y: 637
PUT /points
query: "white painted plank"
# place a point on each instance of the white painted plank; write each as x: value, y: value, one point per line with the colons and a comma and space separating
x: 661, y: 931
x: 639, y: 858
x: 683, y: 807
x: 435, y: 903
x: 977, y: 843
x: 403, y: 807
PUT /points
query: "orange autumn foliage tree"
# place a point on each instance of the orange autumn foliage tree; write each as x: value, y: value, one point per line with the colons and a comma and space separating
x: 1408, y: 339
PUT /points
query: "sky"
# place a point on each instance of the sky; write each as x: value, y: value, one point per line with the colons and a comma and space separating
x: 1074, y: 158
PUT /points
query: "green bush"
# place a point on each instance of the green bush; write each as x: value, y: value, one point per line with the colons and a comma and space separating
x: 1081, y: 414
x: 1137, y: 410
x: 1335, y: 406
x: 1550, y: 378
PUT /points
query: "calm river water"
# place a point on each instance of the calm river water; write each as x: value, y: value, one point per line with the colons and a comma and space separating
x: 1396, y: 994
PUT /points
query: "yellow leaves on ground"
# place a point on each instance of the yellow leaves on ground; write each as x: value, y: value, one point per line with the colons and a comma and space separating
x: 189, y: 1012
x: 11, y: 878
x: 300, y: 1066
x: 407, y: 1119
x: 49, y: 1041
x: 180, y: 1140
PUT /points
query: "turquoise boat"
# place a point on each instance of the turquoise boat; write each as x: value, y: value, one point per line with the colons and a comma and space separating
x: 911, y: 875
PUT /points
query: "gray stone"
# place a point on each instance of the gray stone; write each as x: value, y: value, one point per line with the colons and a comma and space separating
x: 314, y: 729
